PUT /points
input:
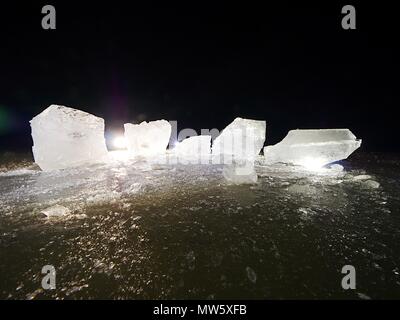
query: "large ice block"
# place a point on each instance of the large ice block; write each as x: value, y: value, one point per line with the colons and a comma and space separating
x: 194, y: 146
x: 65, y: 137
x: 313, y: 148
x: 243, y: 138
x: 147, y: 138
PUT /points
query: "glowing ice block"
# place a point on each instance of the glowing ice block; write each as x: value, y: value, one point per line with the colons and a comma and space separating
x: 65, y: 137
x: 147, y: 138
x: 313, y: 148
x: 243, y: 139
x: 194, y: 146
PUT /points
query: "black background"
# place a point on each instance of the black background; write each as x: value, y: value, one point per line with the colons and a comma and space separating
x: 256, y: 309
x: 204, y: 64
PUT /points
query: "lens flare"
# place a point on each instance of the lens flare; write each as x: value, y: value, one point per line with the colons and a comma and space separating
x: 119, y: 142
x: 313, y: 164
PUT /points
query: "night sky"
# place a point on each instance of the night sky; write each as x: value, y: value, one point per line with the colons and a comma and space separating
x: 291, y: 64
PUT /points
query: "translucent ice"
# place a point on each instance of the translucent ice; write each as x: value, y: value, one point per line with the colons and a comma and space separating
x: 313, y: 148
x: 56, y: 211
x: 147, y: 138
x: 243, y: 138
x: 366, y: 181
x: 240, y: 172
x: 194, y: 146
x: 66, y: 137
x: 372, y: 184
x: 362, y: 177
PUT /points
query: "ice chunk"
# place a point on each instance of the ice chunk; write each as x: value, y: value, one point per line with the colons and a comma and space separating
x: 66, y: 137
x: 362, y: 177
x: 372, y: 184
x: 148, y: 138
x: 313, y: 148
x: 194, y: 146
x: 251, y: 275
x: 240, y: 172
x: 243, y: 138
x: 56, y: 211
x: 299, y: 188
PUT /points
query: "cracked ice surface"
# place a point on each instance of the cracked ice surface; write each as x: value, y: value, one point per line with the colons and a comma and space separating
x: 136, y: 229
x: 313, y: 148
x: 65, y: 137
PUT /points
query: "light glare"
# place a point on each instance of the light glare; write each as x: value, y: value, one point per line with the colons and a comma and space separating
x: 119, y: 142
x: 314, y: 164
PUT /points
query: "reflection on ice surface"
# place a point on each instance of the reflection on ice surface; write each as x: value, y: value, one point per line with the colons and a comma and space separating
x: 134, y: 228
x: 240, y: 172
x: 124, y: 176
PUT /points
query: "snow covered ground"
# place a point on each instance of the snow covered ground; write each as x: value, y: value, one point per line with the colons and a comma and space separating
x: 134, y: 229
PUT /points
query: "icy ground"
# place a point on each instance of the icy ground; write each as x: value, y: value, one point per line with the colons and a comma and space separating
x: 139, y: 230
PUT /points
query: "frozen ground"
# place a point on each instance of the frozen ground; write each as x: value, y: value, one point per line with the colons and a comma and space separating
x: 137, y: 230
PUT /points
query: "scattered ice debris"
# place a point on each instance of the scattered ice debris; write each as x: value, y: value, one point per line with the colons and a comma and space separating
x: 251, y: 275
x: 65, y: 137
x: 362, y: 177
x: 303, y: 210
x: 80, y: 216
x: 240, y: 172
x: 56, y: 211
x: 33, y: 295
x: 262, y: 219
x: 306, y: 214
x: 18, y: 172
x: 75, y: 289
x: 194, y: 146
x: 313, y: 148
x: 147, y: 138
x: 305, y: 189
x: 134, y: 188
x: 372, y: 184
x: 243, y: 138
x: 363, y: 296
x: 191, y: 260
x: 104, y: 197
x: 365, y: 181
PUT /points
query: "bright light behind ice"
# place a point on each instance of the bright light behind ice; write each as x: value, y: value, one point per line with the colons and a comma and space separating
x: 313, y: 164
x: 119, y: 142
